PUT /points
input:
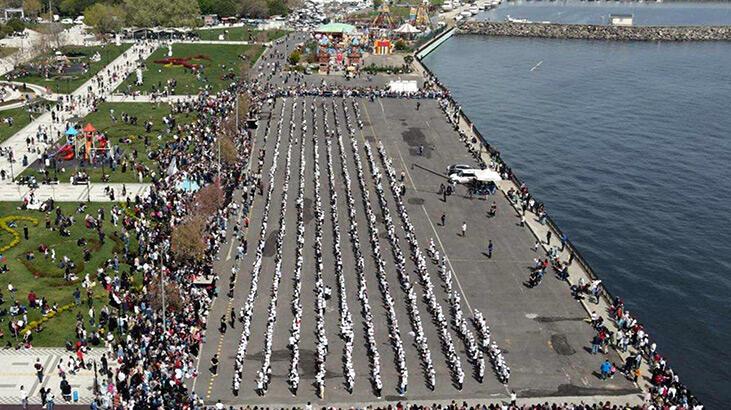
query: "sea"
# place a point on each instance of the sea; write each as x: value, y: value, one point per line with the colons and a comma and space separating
x: 629, y: 146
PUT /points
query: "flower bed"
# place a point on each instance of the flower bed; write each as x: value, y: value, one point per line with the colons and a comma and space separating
x: 4, y: 221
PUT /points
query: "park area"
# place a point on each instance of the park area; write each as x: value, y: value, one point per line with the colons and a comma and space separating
x: 62, y: 248
x: 192, y: 68
x: 66, y: 69
x: 242, y: 33
x: 135, y: 132
x: 13, y: 120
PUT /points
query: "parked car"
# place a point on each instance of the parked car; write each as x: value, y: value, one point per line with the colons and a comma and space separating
x: 468, y: 175
x: 457, y: 167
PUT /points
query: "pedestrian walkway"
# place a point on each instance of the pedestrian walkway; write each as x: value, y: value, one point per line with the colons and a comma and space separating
x: 18, y: 371
x: 17, y: 143
x: 97, y: 192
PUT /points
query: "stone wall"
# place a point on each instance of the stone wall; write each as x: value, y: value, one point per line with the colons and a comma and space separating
x: 597, y: 32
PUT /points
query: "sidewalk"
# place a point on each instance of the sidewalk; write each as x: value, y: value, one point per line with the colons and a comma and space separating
x: 72, y: 193
x: 18, y: 370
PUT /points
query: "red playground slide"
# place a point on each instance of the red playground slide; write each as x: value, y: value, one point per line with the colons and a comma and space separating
x: 66, y: 153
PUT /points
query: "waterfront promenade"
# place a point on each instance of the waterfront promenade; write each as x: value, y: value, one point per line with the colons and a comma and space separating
x: 543, y: 331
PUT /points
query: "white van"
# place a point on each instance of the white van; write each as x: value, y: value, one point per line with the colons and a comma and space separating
x: 468, y: 175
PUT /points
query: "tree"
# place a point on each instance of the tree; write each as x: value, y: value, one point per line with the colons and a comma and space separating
x: 253, y: 8
x: 277, y: 7
x: 182, y: 13
x: 74, y: 7
x: 229, y: 152
x: 408, y: 59
x: 187, y: 241
x: 220, y: 7
x: 142, y: 13
x: 170, y: 13
x: 15, y: 25
x: 104, y: 18
x: 32, y: 7
x: 173, y: 300
x: 294, y: 57
x: 377, y: 4
x: 209, y: 198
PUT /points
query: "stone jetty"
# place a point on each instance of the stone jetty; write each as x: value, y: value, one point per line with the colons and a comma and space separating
x: 597, y: 32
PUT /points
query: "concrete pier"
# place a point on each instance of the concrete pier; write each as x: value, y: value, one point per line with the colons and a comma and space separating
x: 597, y: 32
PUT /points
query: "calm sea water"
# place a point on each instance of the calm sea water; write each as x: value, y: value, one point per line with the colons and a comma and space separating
x: 629, y: 145
x: 645, y: 14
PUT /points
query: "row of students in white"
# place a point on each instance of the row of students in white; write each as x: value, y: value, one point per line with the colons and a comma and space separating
x: 393, y: 327
x: 433, y: 306
x: 263, y: 376
x: 372, y: 346
x: 412, y: 308
x: 248, y: 309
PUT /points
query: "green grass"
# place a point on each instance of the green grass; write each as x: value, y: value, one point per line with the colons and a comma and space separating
x: 21, y: 119
x: 44, y: 276
x: 241, y: 34
x: 224, y: 58
x: 101, y: 119
x: 67, y: 84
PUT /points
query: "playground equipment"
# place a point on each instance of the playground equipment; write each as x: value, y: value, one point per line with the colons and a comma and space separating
x: 86, y: 146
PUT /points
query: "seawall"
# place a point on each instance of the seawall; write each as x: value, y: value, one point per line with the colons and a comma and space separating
x: 597, y: 32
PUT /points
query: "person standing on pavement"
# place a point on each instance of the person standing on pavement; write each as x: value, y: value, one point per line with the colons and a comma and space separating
x: 489, y: 249
x: 443, y: 219
x: 23, y: 397
x: 464, y: 229
x: 49, y: 402
x: 548, y: 238
x: 214, y: 364
x: 39, y: 369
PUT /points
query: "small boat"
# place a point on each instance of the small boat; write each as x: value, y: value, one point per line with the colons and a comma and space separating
x: 514, y: 20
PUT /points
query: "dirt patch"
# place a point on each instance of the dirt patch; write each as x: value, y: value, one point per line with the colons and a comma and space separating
x: 561, y: 345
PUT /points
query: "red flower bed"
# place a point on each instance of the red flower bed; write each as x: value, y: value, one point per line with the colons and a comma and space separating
x: 183, y: 61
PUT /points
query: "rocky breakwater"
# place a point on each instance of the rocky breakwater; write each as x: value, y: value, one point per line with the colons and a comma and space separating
x: 597, y: 32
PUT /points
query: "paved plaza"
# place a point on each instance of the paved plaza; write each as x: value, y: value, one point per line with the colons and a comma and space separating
x: 543, y: 331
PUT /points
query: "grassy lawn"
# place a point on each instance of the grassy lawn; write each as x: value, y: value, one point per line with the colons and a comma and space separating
x: 241, y: 34
x: 128, y: 137
x: 224, y: 59
x: 20, y: 117
x: 67, y: 83
x: 46, y: 278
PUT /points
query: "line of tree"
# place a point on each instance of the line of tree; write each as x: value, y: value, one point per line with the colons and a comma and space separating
x: 110, y: 15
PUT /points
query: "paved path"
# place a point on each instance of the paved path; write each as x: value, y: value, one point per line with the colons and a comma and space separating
x: 18, y: 370
x: 122, y: 64
x: 72, y: 193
